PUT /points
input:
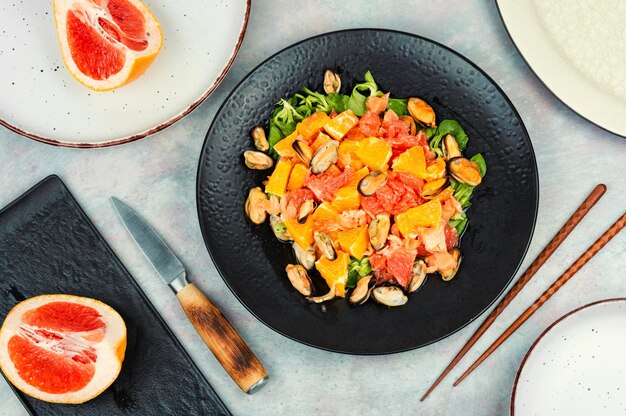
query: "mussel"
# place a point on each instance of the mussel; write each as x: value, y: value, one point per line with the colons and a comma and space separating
x: 450, y: 147
x: 421, y: 112
x: 325, y: 156
x: 303, y: 150
x: 279, y: 229
x: 299, y: 279
x: 332, y: 82
x: 325, y: 245
x: 306, y: 208
x: 257, y: 160
x: 328, y: 296
x: 371, y: 182
x: 432, y: 188
x: 412, y: 127
x: 255, y: 205
x: 389, y: 296
x: 259, y: 139
x: 418, y: 276
x: 448, y: 275
x: 305, y: 256
x: 361, y: 293
x: 378, y: 231
x: 464, y: 171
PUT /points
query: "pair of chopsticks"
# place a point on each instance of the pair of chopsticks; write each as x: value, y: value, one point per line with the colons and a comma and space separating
x: 556, y: 241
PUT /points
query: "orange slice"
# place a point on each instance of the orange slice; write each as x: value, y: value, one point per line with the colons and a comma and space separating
x: 301, y: 233
x: 296, y: 179
x: 374, y: 152
x: 320, y: 140
x: 62, y: 348
x: 335, y: 271
x: 411, y: 161
x: 311, y: 125
x: 354, y: 241
x: 347, y: 198
x: 284, y: 147
x: 277, y: 184
x: 425, y: 215
x: 342, y: 124
x: 106, y: 43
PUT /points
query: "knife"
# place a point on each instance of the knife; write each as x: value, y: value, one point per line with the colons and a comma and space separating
x: 214, y: 329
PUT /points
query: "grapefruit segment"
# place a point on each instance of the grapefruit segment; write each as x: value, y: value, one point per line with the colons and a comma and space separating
x: 62, y: 348
x: 106, y: 43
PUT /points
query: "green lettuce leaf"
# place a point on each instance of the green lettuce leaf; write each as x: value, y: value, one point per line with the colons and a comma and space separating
x: 449, y: 127
x: 356, y: 103
x: 399, y: 106
x: 480, y: 161
x: 357, y: 269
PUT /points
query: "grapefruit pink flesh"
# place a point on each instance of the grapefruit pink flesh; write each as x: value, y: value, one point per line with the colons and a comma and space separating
x: 62, y: 375
x: 48, y: 338
x: 95, y: 56
x: 106, y: 43
x: 62, y: 348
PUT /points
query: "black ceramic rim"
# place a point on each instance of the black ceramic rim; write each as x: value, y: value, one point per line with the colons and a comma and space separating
x: 543, y: 82
x: 540, y: 337
x: 390, y: 31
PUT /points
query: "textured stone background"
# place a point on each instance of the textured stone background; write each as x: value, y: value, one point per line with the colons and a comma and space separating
x: 158, y: 175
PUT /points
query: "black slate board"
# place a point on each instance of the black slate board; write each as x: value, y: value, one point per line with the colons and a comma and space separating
x: 48, y: 245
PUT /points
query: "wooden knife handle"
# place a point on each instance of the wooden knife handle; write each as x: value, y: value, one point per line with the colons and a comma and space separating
x: 222, y: 339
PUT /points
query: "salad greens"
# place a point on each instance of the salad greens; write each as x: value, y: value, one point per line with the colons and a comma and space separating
x: 289, y: 112
x: 399, y: 106
x: 357, y: 269
x: 356, y: 103
x: 463, y: 193
x: 449, y: 127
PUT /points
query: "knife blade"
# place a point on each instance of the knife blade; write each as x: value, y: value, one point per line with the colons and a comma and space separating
x: 218, y: 334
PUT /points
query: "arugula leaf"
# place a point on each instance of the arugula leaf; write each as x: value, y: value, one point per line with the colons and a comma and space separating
x: 353, y: 278
x: 480, y: 161
x: 399, y: 106
x: 274, y: 136
x: 285, y: 118
x: 459, y: 222
x: 356, y: 103
x: 449, y: 127
x: 430, y: 132
x: 357, y: 269
x: 337, y: 102
x: 314, y: 101
x: 462, y: 193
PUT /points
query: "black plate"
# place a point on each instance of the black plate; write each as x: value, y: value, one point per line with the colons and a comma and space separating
x: 48, y: 245
x: 252, y: 261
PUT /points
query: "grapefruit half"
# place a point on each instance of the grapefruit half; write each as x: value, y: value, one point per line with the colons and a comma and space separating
x: 106, y: 43
x: 62, y: 348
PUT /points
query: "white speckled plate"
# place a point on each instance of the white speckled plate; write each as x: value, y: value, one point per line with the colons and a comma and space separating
x: 41, y: 100
x: 577, y: 366
x: 586, y: 73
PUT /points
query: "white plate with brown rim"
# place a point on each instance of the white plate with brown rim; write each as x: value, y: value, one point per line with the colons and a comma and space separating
x: 576, y: 366
x: 41, y: 100
x: 577, y: 50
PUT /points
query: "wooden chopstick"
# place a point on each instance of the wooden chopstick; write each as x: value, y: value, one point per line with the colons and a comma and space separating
x: 571, y: 271
x: 556, y: 241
